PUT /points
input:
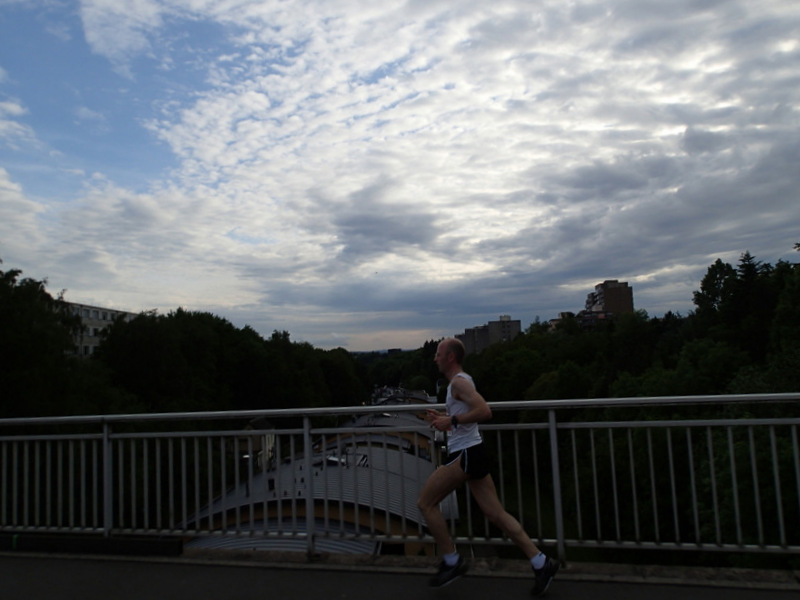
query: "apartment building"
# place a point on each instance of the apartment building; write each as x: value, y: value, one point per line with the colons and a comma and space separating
x: 477, y: 339
x: 95, y: 319
x: 611, y: 296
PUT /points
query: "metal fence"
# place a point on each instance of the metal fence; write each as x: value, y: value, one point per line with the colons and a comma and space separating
x: 717, y: 473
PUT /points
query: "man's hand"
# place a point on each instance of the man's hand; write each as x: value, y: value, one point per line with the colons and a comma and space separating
x: 438, y: 419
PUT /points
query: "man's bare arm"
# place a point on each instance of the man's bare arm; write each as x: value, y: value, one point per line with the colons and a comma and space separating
x: 479, y: 410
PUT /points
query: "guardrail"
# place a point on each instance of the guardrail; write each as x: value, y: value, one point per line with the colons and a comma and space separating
x: 707, y: 473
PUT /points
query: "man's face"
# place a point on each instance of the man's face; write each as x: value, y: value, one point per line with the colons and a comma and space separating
x: 441, y: 356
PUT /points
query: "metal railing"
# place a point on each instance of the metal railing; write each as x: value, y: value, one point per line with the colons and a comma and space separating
x: 717, y: 473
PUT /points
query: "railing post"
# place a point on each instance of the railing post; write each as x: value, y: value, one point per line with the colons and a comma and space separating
x: 557, y: 499
x: 108, y: 476
x: 308, y: 459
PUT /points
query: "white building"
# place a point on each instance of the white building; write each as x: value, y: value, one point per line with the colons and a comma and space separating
x: 94, y: 319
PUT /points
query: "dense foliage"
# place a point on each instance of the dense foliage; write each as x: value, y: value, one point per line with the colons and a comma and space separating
x: 187, y: 361
x: 39, y: 377
x: 742, y: 337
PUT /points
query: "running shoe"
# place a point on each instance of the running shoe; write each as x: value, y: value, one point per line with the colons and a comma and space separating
x: 448, y: 574
x: 544, y: 577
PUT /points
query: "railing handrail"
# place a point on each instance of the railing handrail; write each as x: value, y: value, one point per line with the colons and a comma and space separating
x: 543, y: 405
x: 578, y: 477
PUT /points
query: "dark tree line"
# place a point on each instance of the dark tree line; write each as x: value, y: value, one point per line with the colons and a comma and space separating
x: 182, y: 361
x: 187, y: 361
x: 742, y: 337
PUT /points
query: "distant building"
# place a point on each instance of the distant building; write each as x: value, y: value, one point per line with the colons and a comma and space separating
x: 611, y: 296
x: 477, y: 339
x: 94, y: 319
x: 562, y: 316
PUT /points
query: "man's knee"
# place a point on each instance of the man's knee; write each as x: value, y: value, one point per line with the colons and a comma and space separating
x: 424, y: 505
x: 496, y: 516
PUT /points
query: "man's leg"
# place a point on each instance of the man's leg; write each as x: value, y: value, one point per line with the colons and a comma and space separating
x: 544, y: 568
x: 485, y: 494
x: 442, y: 481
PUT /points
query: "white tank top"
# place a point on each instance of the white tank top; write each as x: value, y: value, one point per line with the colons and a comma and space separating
x: 465, y: 435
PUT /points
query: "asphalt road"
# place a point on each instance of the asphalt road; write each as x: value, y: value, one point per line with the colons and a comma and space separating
x: 40, y: 577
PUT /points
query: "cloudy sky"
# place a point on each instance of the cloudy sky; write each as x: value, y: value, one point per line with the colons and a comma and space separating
x: 376, y: 174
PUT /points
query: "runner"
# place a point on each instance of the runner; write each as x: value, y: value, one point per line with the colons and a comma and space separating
x: 467, y: 461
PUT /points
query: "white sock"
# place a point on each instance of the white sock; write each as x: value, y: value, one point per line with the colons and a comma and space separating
x: 451, y: 559
x: 538, y: 560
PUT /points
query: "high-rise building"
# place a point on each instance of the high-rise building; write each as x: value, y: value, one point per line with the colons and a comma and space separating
x: 611, y: 296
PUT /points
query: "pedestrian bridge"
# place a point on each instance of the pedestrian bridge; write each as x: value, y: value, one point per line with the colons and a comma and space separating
x: 588, y: 479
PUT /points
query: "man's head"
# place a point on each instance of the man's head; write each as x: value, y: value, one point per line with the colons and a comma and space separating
x: 449, y: 355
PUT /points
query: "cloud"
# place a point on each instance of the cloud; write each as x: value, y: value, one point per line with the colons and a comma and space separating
x: 11, y: 130
x: 19, y: 217
x: 120, y: 31
x: 86, y: 114
x: 345, y: 168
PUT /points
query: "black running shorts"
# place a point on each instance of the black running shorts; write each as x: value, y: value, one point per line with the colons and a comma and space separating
x: 474, y: 461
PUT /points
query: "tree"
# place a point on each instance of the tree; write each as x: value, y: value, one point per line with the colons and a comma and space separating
x: 736, y: 306
x: 37, y: 360
x: 568, y: 381
x: 785, y: 326
x: 707, y: 366
x: 716, y: 289
x: 182, y: 361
